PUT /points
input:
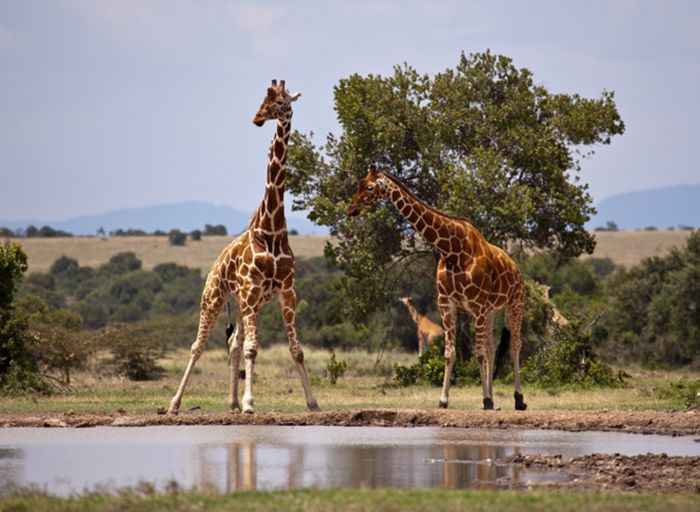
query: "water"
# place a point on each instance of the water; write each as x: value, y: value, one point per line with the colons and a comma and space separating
x: 228, y: 458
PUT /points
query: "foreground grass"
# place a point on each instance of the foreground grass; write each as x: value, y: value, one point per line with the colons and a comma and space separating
x: 367, y: 384
x: 359, y: 500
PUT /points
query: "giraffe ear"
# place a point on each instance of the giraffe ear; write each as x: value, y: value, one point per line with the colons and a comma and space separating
x: 295, y: 96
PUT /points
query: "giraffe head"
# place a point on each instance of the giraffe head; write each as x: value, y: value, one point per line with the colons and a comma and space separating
x: 370, y: 189
x: 405, y: 300
x: 276, y: 105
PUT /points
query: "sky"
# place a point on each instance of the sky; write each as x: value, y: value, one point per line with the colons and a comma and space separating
x: 108, y: 104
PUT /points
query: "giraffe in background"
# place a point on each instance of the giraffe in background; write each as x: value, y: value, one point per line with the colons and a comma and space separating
x: 472, y: 275
x: 427, y: 330
x: 254, y: 268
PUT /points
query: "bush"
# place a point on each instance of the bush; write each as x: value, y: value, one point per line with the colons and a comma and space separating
x: 430, y: 369
x: 685, y: 393
x: 177, y: 238
x: 218, y: 229
x: 196, y: 235
x: 568, y: 360
x: 335, y: 369
x: 135, y: 349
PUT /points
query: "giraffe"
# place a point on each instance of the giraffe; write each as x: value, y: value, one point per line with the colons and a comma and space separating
x: 254, y: 268
x: 427, y: 329
x: 472, y: 275
x: 557, y: 318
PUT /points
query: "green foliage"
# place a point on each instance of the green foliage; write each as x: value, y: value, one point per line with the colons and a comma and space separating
x: 653, y: 308
x: 177, y: 238
x: 481, y: 140
x: 19, y: 372
x: 135, y: 348
x: 335, y: 369
x: 45, y: 232
x: 62, y: 345
x: 196, y: 235
x: 430, y: 369
x: 568, y: 359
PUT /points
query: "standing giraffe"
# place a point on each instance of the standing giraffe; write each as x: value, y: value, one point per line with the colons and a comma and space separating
x: 472, y: 275
x: 427, y: 329
x: 254, y: 268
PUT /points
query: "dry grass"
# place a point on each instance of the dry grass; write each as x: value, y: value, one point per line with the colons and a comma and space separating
x: 623, y: 247
x: 630, y: 247
x: 277, y: 388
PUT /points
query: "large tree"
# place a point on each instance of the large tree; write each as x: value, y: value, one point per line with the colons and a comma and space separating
x: 482, y: 141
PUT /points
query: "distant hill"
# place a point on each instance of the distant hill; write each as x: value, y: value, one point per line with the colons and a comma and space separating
x: 185, y: 216
x: 660, y: 207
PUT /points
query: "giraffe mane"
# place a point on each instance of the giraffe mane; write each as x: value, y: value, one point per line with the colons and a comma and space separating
x: 408, y: 191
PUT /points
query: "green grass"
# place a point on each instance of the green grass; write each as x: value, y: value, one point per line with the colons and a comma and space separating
x: 358, y: 500
x: 277, y: 388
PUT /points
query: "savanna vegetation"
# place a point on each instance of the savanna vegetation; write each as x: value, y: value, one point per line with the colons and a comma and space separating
x: 483, y: 141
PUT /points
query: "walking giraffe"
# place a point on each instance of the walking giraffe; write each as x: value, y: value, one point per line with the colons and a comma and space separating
x: 472, y: 275
x: 254, y: 268
x: 427, y: 330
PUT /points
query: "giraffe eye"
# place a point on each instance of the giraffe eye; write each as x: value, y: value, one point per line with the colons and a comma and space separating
x: 370, y: 188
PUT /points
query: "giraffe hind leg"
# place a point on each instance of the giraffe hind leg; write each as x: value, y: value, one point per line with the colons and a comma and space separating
x: 514, y: 319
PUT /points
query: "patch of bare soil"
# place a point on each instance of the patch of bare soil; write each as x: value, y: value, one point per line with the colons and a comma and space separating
x: 644, y: 422
x: 649, y: 473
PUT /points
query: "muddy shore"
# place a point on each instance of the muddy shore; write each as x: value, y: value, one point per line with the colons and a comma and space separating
x: 642, y: 473
x: 640, y: 422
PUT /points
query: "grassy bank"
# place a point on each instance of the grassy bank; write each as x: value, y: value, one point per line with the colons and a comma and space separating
x: 359, y: 500
x: 367, y: 384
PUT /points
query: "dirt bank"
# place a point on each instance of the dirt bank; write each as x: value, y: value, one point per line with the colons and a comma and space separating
x: 655, y: 473
x: 646, y: 422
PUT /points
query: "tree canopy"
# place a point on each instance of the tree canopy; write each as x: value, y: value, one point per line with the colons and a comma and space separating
x: 482, y: 141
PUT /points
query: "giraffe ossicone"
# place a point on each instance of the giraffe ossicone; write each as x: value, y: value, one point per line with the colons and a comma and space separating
x: 472, y: 275
x: 255, y: 267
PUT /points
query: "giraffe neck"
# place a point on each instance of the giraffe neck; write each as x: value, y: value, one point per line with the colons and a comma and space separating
x: 413, y: 312
x: 269, y: 216
x: 426, y: 220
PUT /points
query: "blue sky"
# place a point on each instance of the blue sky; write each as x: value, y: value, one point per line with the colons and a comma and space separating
x: 115, y: 104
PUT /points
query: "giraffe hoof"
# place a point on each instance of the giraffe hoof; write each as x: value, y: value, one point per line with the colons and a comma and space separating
x: 442, y: 405
x: 520, y: 404
x: 235, y: 407
x: 173, y: 411
x: 313, y: 406
x: 488, y: 404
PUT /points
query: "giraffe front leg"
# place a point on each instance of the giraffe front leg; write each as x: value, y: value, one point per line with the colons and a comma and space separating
x: 210, y: 311
x: 447, y: 313
x: 288, y: 301
x: 235, y: 344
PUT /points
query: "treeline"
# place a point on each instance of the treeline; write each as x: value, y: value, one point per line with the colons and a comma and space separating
x: 49, y: 232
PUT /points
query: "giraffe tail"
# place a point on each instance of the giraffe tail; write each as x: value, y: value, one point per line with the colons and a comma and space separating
x: 501, y: 352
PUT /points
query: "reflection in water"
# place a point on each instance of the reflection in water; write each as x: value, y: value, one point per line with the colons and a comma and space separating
x: 249, y: 466
x: 228, y: 459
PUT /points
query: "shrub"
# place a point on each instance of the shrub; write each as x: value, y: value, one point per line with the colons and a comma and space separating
x: 218, y: 229
x: 685, y: 393
x: 430, y: 369
x: 177, y: 237
x: 135, y: 349
x: 567, y: 359
x: 335, y: 369
x: 196, y: 235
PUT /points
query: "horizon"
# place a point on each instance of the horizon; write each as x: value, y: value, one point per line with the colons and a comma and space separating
x: 128, y: 105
